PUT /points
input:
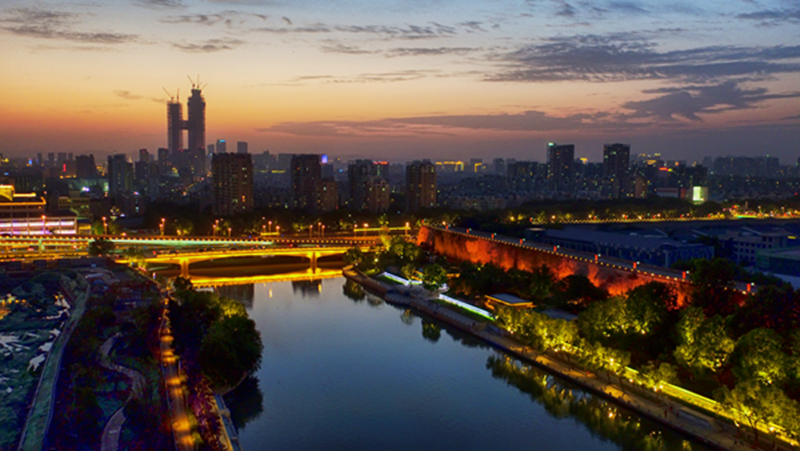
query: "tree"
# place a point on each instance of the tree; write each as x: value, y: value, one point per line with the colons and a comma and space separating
x: 578, y: 291
x: 647, y: 306
x: 752, y: 402
x: 759, y: 357
x: 230, y: 350
x: 409, y: 271
x: 434, y: 276
x: 704, y: 344
x: 654, y: 376
x: 353, y: 256
x: 101, y: 247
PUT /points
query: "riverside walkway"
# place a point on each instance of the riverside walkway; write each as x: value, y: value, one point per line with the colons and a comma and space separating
x: 109, y: 441
x: 693, y: 423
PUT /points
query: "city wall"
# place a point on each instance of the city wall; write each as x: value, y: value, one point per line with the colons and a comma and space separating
x: 478, y: 249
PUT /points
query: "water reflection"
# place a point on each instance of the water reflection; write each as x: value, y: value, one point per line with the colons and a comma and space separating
x: 354, y: 291
x: 605, y: 420
x: 246, y: 402
x: 431, y: 331
x: 244, y: 293
x: 307, y: 288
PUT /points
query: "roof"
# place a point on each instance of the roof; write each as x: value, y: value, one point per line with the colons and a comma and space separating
x: 615, y: 239
x: 509, y: 299
x: 560, y: 314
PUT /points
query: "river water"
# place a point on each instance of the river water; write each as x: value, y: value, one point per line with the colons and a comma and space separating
x: 345, y: 371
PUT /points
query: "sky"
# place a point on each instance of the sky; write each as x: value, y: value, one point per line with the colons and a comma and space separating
x: 406, y: 79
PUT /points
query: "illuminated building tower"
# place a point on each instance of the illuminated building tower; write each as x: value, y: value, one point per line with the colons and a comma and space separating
x: 306, y: 172
x: 120, y: 175
x: 174, y: 129
x: 222, y: 146
x: 163, y: 160
x: 616, y: 161
x: 560, y: 171
x: 420, y: 185
x: 144, y: 156
x: 232, y: 183
x: 378, y: 195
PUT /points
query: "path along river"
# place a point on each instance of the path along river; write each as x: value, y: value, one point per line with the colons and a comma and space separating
x: 345, y: 371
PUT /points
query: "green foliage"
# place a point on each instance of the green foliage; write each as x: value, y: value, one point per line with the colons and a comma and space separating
x: 654, y: 376
x: 101, y: 247
x: 759, y: 357
x: 409, y: 271
x: 537, y: 330
x: 353, y: 256
x: 577, y: 292
x: 704, y: 344
x: 772, y: 307
x: 230, y: 350
x: 434, y: 276
x: 755, y: 404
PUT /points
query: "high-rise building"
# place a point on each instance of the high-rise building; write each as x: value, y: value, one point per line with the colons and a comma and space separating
x: 306, y: 173
x: 616, y: 164
x: 120, y: 174
x: 196, y: 124
x: 85, y: 167
x: 499, y: 166
x: 420, y: 185
x: 163, y: 159
x: 560, y: 160
x: 222, y: 146
x: 211, y: 149
x: 241, y: 147
x: 144, y: 156
x: 378, y: 196
x: 329, y: 195
x: 232, y: 183
x: 174, y: 128
x: 358, y: 174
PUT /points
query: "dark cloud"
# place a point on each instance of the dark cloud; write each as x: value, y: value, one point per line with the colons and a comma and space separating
x: 210, y: 45
x: 689, y: 101
x: 633, y: 56
x: 528, y: 121
x: 228, y: 18
x: 432, y: 30
x: 773, y: 17
x: 437, y: 51
x: 369, y: 77
x: 627, y: 7
x: 127, y: 95
x: 160, y: 4
x: 60, y: 25
x: 337, y: 47
x: 566, y: 10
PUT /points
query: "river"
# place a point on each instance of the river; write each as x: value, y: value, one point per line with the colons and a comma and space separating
x: 345, y: 371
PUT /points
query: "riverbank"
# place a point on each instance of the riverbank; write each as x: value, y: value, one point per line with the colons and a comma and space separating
x: 686, y: 420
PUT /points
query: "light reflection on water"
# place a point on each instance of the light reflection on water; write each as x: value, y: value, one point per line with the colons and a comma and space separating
x: 343, y: 370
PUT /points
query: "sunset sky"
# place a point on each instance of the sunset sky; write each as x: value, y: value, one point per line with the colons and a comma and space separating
x: 406, y: 79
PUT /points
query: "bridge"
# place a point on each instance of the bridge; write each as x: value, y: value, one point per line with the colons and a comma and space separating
x: 184, y: 259
x: 56, y: 246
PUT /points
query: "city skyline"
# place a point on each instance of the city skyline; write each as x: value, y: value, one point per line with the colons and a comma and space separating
x: 407, y: 80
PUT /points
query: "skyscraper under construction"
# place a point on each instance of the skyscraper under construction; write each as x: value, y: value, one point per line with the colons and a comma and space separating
x: 192, y: 158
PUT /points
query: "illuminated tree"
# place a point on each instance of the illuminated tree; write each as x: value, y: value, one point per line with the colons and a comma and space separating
x: 704, y: 343
x: 230, y: 350
x: 409, y: 271
x: 353, y: 256
x: 433, y: 276
x: 759, y: 357
x: 654, y: 376
x: 753, y: 403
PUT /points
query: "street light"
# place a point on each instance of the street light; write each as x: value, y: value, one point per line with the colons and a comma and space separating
x: 278, y: 230
x: 365, y: 228
x: 322, y: 232
x: 270, y: 227
x: 162, y: 225
x: 229, y: 232
x: 105, y: 226
x: 44, y: 221
x: 407, y: 229
x: 310, y: 228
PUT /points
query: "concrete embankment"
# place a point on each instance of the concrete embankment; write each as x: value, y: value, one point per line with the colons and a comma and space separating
x: 671, y: 414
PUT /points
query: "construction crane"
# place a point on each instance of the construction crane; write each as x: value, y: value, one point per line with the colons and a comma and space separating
x: 196, y: 85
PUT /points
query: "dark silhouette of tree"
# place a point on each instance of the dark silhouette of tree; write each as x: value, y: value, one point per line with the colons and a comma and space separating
x: 101, y: 247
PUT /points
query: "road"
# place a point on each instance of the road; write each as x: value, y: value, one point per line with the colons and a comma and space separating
x: 109, y: 441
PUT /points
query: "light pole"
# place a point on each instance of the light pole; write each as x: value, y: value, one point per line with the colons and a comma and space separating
x: 162, y: 226
x: 406, y: 229
x: 229, y: 232
x: 278, y: 230
x: 270, y: 227
x: 310, y: 229
x: 322, y: 231
x: 365, y: 229
x: 44, y: 222
x: 355, y: 230
x: 105, y: 226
